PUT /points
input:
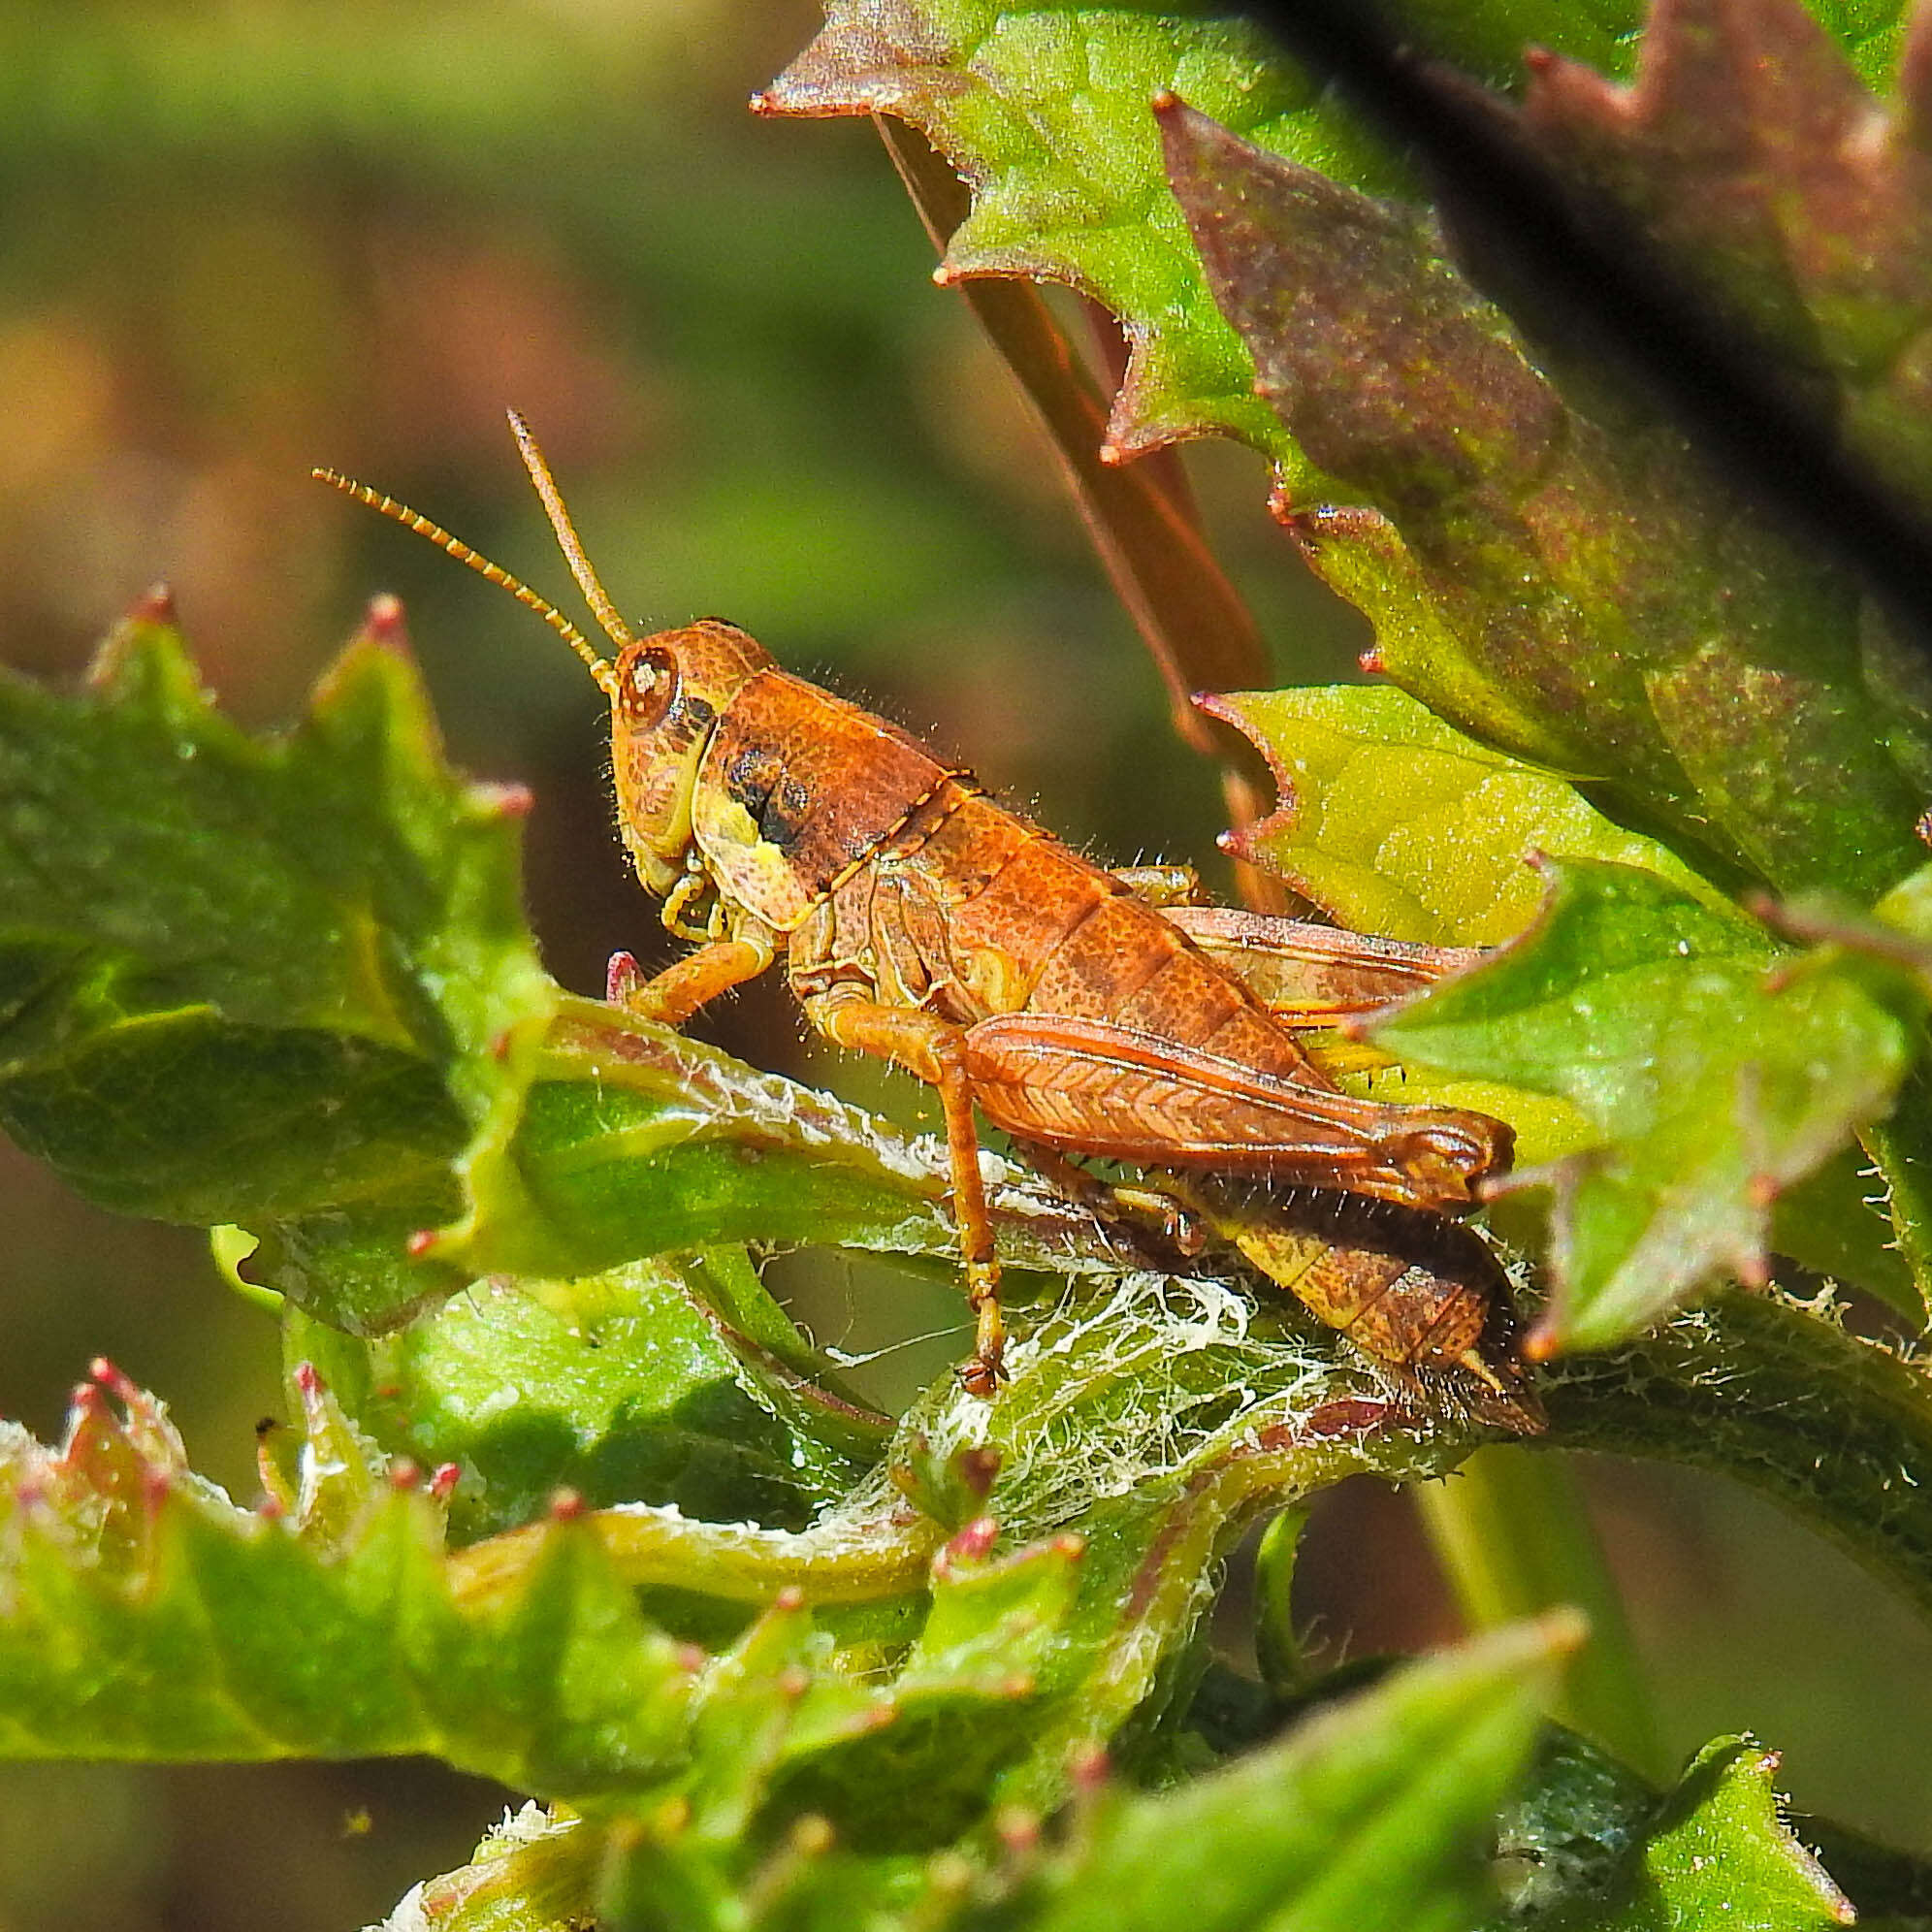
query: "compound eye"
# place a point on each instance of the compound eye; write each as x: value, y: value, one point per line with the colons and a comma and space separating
x: 648, y: 688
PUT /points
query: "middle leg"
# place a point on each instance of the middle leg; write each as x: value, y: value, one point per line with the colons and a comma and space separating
x: 933, y: 1050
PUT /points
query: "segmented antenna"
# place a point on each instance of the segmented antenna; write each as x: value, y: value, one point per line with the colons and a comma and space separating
x: 600, y: 667
x: 595, y: 595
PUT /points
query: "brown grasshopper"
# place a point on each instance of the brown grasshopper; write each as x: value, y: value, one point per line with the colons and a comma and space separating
x: 1084, y: 1012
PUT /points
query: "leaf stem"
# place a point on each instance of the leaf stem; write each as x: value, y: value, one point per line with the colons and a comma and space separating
x: 1514, y: 1534
x: 1836, y: 1430
x: 841, y: 1560
x: 1277, y: 1655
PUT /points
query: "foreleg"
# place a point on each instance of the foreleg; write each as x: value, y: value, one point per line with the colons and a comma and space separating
x: 674, y: 995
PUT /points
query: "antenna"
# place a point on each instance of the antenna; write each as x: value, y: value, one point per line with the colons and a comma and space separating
x: 595, y: 595
x: 600, y: 667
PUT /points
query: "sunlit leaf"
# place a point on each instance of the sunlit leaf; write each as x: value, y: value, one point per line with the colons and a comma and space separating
x: 1718, y: 1070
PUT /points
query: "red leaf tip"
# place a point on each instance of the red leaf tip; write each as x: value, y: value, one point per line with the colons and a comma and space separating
x: 420, y: 1243
x: 113, y: 1379
x: 1018, y: 1828
x: 565, y: 1505
x: 155, y: 605
x: 383, y: 620
x: 1923, y: 827
x: 403, y: 1475
x: 443, y: 1482
x: 975, y: 1541
x: 1165, y: 101
x: 307, y: 1379
x: 507, y: 801
x: 788, y: 1599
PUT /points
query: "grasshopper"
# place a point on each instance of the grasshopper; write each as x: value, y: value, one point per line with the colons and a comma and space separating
x: 1086, y: 1013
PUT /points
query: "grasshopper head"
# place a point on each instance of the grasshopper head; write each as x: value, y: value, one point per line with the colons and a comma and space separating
x: 665, y: 694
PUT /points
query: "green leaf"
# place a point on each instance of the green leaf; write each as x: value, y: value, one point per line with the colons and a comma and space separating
x: 284, y: 983
x: 622, y: 1387
x: 1721, y: 1853
x: 146, y: 1616
x: 1043, y: 111
x: 1376, y: 1813
x: 1599, y: 603
x: 287, y: 984
x: 1718, y: 1070
x: 1393, y: 821
x: 1043, y: 108
x: 1590, y: 1845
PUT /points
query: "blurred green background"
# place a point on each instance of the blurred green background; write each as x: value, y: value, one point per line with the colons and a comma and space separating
x: 240, y: 239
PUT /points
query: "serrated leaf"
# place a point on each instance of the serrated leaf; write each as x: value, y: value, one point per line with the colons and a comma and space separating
x: 1375, y: 1814
x: 1718, y: 1070
x: 1394, y: 821
x: 211, y: 1632
x: 286, y: 984
x: 1554, y: 587
x: 1791, y: 198
x: 262, y: 982
x: 1590, y: 1844
x: 1042, y: 110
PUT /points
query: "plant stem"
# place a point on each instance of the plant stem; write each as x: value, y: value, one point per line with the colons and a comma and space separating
x: 1512, y: 1530
x: 1752, y: 1386
x: 1277, y: 1654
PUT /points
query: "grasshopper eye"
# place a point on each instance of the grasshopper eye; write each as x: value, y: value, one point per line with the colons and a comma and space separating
x: 647, y: 687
